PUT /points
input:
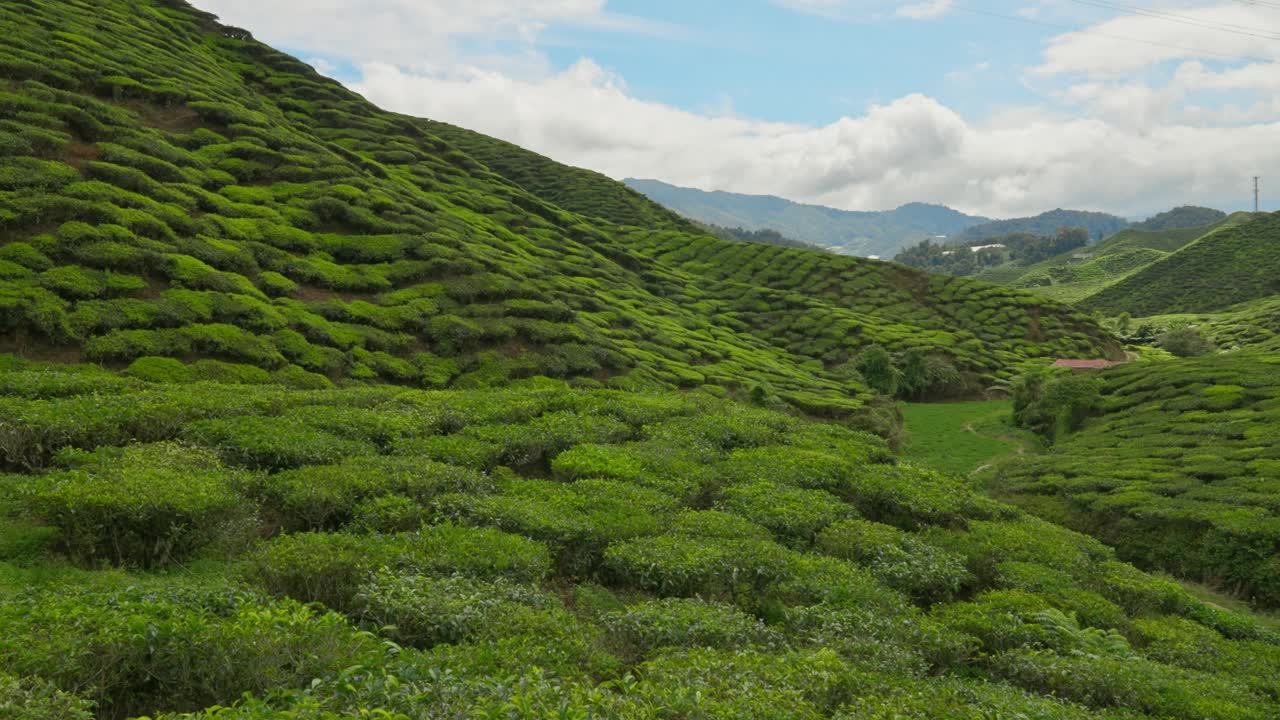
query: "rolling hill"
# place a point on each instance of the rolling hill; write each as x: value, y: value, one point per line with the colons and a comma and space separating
x: 1185, y: 216
x: 1232, y: 265
x: 853, y: 233
x: 1099, y: 225
x: 1077, y: 274
x: 247, y: 210
x: 307, y: 412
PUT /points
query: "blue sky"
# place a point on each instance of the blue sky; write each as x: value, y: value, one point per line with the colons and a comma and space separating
x: 858, y: 104
x: 771, y: 62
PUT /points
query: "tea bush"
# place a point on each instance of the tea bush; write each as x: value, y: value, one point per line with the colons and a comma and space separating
x: 147, y: 505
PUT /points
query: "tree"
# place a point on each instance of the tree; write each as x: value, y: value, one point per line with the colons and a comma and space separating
x: 1185, y: 341
x: 927, y: 376
x: 876, y: 366
x: 1052, y: 403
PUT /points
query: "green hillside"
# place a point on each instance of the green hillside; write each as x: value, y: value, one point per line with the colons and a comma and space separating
x: 574, y: 189
x: 308, y: 412
x: 1181, y: 473
x: 1077, y: 274
x: 825, y: 307
x: 1230, y: 266
x: 243, y: 209
x: 1255, y: 324
x: 879, y: 233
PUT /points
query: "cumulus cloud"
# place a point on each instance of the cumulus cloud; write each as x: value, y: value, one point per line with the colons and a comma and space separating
x: 1108, y: 49
x: 1098, y: 139
x: 912, y: 149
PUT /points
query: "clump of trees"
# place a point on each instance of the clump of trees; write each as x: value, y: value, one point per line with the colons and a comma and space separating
x: 961, y: 259
x: 1185, y: 341
x: 911, y: 375
x: 1052, y: 402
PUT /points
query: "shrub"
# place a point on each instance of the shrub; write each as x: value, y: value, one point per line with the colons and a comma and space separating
x: 1185, y: 341
x: 142, y: 649
x: 900, y: 560
x: 159, y: 370
x: 677, y: 622
x: 146, y: 505
x: 272, y: 443
x: 326, y: 496
x: 229, y: 373
x: 791, y: 513
x: 424, y: 611
x: 36, y: 699
x: 331, y: 567
x: 669, y: 565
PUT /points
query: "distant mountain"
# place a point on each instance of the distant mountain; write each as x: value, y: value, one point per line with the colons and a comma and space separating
x: 1187, y: 216
x: 854, y: 233
x: 1099, y: 225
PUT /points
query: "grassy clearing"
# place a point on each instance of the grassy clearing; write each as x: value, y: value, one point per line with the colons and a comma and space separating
x: 960, y: 437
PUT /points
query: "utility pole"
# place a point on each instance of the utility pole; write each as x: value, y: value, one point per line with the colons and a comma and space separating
x: 1256, y: 178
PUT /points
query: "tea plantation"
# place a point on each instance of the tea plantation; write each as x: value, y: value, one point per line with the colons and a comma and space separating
x: 1069, y: 278
x: 1181, y: 473
x: 239, y: 207
x: 543, y: 551
x: 314, y: 411
x: 1235, y: 264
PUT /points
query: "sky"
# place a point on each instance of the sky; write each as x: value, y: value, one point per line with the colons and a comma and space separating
x: 995, y: 108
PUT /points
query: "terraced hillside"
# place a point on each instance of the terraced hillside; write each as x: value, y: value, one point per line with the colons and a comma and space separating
x: 548, y: 552
x: 1181, y: 473
x: 574, y: 189
x: 1075, y: 275
x: 1233, y: 265
x: 1253, y: 325
x: 170, y: 187
x: 249, y: 507
x: 826, y: 307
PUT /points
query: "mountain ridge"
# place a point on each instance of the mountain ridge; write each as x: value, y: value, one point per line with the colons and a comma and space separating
x: 854, y: 232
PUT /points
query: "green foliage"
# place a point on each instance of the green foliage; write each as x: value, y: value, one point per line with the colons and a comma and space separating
x: 159, y: 370
x: 1233, y: 264
x: 678, y: 622
x: 1053, y: 405
x: 1185, y: 341
x: 503, y: 547
x: 426, y: 611
x: 35, y: 699
x: 1178, y: 472
x: 148, y: 505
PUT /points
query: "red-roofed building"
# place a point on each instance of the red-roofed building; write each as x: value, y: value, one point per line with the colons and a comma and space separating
x: 1087, y: 364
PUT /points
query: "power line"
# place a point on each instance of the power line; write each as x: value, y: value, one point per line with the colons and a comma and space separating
x: 1183, y: 19
x: 1260, y: 3
x: 1255, y: 192
x: 1123, y: 38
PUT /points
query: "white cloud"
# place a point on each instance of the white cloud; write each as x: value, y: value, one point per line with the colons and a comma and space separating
x: 1112, y: 49
x: 925, y: 10
x: 1101, y: 139
x: 911, y: 149
x: 868, y: 9
x: 410, y: 32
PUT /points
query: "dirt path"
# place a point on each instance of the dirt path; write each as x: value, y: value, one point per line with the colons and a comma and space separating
x: 1018, y: 451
